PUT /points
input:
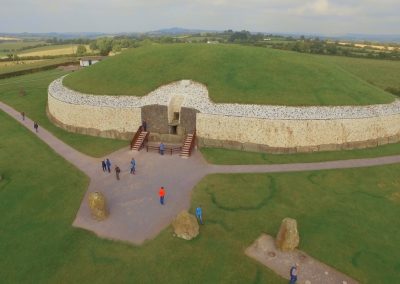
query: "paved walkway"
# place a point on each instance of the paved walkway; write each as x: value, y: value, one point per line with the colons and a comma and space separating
x: 135, y: 213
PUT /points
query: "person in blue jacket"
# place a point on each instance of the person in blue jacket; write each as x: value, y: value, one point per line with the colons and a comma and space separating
x: 199, y: 215
x: 293, y: 274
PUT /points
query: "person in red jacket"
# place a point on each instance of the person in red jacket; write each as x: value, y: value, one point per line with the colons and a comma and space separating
x: 161, y: 193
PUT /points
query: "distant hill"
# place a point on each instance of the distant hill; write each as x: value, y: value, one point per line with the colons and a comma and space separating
x: 179, y: 31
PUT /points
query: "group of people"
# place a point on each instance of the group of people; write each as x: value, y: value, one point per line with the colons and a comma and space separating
x: 106, y: 166
x: 35, y: 124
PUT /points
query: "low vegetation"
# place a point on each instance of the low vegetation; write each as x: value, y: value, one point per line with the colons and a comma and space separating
x: 232, y: 73
x: 21, y: 65
x: 357, y: 216
x: 33, y: 103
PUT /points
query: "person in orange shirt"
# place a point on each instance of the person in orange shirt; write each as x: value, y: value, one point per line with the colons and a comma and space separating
x: 161, y: 193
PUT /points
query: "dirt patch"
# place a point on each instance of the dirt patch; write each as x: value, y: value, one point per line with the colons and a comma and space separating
x: 69, y: 67
x: 310, y: 270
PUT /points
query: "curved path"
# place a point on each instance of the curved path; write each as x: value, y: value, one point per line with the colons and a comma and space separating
x: 135, y: 213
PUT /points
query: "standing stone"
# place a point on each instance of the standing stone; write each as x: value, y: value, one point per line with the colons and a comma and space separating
x: 97, y: 205
x: 185, y: 226
x: 288, y: 237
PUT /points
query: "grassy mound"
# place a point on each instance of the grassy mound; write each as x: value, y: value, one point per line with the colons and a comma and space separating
x: 233, y: 74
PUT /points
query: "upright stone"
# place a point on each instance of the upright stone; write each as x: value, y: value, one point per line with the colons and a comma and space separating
x: 97, y: 205
x: 185, y: 226
x: 288, y: 237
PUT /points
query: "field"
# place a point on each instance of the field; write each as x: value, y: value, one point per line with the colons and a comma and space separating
x: 351, y: 224
x: 15, y: 45
x: 34, y: 105
x: 52, y: 50
x: 12, y: 66
x: 232, y: 73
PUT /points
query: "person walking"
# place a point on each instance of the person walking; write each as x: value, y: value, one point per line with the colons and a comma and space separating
x: 161, y: 193
x: 23, y: 115
x: 36, y: 126
x: 104, y: 166
x: 199, y: 215
x: 162, y: 148
x: 144, y: 125
x: 117, y: 171
x: 133, y: 166
x: 293, y: 274
x: 108, y: 164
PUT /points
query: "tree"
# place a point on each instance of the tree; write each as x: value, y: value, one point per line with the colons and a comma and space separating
x: 80, y: 50
x: 93, y: 45
x: 104, y: 45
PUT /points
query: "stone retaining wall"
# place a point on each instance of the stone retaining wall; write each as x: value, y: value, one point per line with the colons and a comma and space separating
x: 284, y: 136
x: 108, y: 122
x: 247, y: 127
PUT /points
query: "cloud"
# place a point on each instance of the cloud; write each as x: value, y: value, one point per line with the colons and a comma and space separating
x: 306, y: 16
x: 324, y: 8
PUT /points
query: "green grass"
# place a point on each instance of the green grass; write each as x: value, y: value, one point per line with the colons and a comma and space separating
x: 42, y: 63
x: 232, y: 73
x: 221, y: 156
x: 381, y: 73
x: 347, y: 218
x: 34, y: 105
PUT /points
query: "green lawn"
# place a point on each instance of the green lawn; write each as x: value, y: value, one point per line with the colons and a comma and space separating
x: 347, y: 218
x: 34, y: 105
x: 221, y: 156
x: 232, y: 73
x: 381, y: 73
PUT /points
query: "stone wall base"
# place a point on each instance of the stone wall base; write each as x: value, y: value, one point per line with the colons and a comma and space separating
x: 90, y: 131
x: 251, y: 147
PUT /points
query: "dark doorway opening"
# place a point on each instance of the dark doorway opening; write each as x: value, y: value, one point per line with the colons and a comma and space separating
x: 174, y: 129
x: 176, y: 116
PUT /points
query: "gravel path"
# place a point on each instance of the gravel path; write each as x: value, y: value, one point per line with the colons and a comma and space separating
x: 136, y: 214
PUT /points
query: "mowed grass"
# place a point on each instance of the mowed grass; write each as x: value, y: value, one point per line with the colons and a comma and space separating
x: 381, y: 73
x: 52, y: 50
x: 232, y: 73
x: 34, y: 105
x: 221, y: 156
x: 347, y: 218
x: 13, y: 66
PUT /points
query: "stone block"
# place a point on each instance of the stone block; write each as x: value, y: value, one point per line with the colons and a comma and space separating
x: 185, y: 226
x: 383, y: 141
x: 252, y: 147
x: 97, y: 205
x: 288, y: 236
x: 328, y: 147
x: 232, y: 145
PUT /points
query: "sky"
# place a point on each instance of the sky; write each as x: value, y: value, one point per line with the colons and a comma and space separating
x: 328, y: 17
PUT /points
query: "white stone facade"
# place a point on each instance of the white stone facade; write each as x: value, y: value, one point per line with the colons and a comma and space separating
x: 273, y: 126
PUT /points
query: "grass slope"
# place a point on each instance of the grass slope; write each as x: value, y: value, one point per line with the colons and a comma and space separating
x: 351, y: 224
x: 232, y: 73
x: 34, y: 105
x: 384, y: 74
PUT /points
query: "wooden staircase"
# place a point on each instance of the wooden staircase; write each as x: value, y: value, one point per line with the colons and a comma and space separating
x: 139, y: 139
x: 188, y: 145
